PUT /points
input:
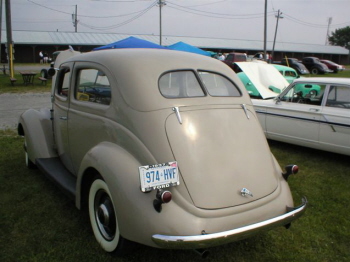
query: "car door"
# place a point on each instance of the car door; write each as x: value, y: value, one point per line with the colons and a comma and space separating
x: 61, y: 100
x: 88, y: 122
x: 335, y: 127
x: 295, y: 118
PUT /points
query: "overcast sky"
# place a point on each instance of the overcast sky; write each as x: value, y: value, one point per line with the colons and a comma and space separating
x: 304, y: 21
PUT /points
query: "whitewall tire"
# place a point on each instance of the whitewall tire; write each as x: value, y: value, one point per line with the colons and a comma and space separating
x: 103, y: 217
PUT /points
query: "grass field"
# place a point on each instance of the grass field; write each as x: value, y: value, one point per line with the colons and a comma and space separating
x: 39, y: 223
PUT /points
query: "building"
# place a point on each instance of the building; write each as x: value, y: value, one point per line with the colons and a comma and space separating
x: 28, y: 44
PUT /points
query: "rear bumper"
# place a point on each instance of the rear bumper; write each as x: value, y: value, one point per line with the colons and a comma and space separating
x: 220, y: 238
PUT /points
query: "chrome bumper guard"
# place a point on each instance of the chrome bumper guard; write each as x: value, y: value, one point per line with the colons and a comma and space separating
x: 216, y: 239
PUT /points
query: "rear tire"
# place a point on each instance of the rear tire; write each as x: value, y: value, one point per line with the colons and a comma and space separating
x: 314, y: 71
x: 103, y: 218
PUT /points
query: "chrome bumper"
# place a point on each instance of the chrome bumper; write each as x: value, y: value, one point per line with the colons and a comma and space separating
x: 215, y: 239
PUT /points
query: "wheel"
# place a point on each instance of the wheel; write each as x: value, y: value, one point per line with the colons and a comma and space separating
x: 43, y: 73
x: 313, y: 93
x: 314, y: 71
x: 103, y: 218
x: 28, y: 162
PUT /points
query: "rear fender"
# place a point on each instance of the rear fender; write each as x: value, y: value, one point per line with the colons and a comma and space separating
x: 36, y: 125
x: 119, y: 169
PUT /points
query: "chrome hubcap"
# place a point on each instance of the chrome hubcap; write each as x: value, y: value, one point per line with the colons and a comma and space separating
x: 104, y: 215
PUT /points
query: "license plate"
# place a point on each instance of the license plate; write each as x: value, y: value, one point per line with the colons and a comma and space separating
x: 159, y: 176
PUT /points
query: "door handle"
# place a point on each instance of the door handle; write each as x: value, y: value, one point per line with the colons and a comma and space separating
x: 314, y: 109
x: 63, y: 117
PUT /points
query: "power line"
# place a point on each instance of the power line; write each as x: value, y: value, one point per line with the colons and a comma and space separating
x: 122, y: 23
x: 214, y: 14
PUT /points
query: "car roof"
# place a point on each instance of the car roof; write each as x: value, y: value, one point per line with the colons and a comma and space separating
x: 283, y: 67
x: 137, y: 72
x: 324, y: 80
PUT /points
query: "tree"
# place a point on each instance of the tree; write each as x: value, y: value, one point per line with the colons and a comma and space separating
x: 340, y: 37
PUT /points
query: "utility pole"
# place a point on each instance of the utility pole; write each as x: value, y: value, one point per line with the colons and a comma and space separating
x: 329, y: 24
x: 161, y: 3
x: 0, y: 26
x: 274, y: 40
x: 265, y: 28
x: 9, y: 37
x: 75, y: 18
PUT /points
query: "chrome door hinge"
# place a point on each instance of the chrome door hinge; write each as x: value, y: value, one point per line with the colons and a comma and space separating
x: 177, y: 112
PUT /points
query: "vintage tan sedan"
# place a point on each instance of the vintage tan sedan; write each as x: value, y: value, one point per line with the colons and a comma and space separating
x: 163, y: 148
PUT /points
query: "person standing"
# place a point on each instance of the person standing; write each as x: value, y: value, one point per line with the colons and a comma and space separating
x: 46, y: 58
x: 41, y: 56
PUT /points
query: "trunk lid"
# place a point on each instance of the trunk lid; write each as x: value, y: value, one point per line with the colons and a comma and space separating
x: 220, y: 152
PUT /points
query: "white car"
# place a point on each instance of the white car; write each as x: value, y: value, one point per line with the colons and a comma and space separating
x: 318, y: 119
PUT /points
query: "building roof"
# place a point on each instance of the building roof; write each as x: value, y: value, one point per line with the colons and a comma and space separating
x: 97, y: 39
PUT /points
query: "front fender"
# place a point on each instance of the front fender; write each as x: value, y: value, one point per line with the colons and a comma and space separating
x: 36, y: 125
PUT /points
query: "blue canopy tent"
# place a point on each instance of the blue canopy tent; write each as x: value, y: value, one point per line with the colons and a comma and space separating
x: 130, y: 42
x: 181, y: 46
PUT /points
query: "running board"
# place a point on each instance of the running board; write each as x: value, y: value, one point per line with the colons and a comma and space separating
x: 56, y: 172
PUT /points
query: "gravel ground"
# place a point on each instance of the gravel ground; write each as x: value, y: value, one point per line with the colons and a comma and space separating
x: 13, y: 105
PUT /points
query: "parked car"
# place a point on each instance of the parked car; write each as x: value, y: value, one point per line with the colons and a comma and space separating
x: 43, y: 72
x: 234, y: 57
x: 315, y: 66
x: 333, y: 66
x: 290, y: 74
x: 296, y: 64
x: 158, y: 145
x: 320, y: 121
x: 260, y: 79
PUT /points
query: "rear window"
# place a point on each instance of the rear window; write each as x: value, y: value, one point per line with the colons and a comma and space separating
x: 218, y: 85
x: 180, y: 84
x: 183, y: 84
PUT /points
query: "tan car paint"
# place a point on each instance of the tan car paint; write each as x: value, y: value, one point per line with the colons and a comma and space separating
x: 140, y: 127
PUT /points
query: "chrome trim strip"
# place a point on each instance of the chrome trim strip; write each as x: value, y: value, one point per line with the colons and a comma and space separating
x: 220, y: 238
x: 302, y: 118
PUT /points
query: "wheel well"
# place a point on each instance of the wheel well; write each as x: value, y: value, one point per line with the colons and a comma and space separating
x: 89, y: 176
x: 20, y: 130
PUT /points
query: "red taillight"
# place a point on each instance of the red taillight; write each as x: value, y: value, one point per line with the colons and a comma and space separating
x: 166, y: 197
x: 290, y: 170
x: 162, y: 197
x: 295, y: 169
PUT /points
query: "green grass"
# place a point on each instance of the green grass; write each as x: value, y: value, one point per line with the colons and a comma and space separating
x: 39, y: 223
x: 19, y: 87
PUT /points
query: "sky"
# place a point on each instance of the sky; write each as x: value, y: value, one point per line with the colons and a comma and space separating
x: 302, y: 21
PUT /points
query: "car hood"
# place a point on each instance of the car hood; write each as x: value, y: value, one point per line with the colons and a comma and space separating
x: 220, y: 151
x: 263, y: 76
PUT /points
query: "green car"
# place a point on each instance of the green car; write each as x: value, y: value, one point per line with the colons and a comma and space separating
x: 290, y: 74
x: 261, y: 80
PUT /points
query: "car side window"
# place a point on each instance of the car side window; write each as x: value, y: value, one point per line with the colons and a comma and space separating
x: 63, y: 80
x: 180, y: 84
x: 339, y: 96
x: 93, y: 86
x: 218, y: 85
x: 290, y: 73
x: 305, y: 93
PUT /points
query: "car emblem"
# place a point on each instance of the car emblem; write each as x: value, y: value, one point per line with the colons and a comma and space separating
x: 245, y: 192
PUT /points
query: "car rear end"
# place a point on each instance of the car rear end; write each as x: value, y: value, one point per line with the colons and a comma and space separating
x: 198, y: 123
